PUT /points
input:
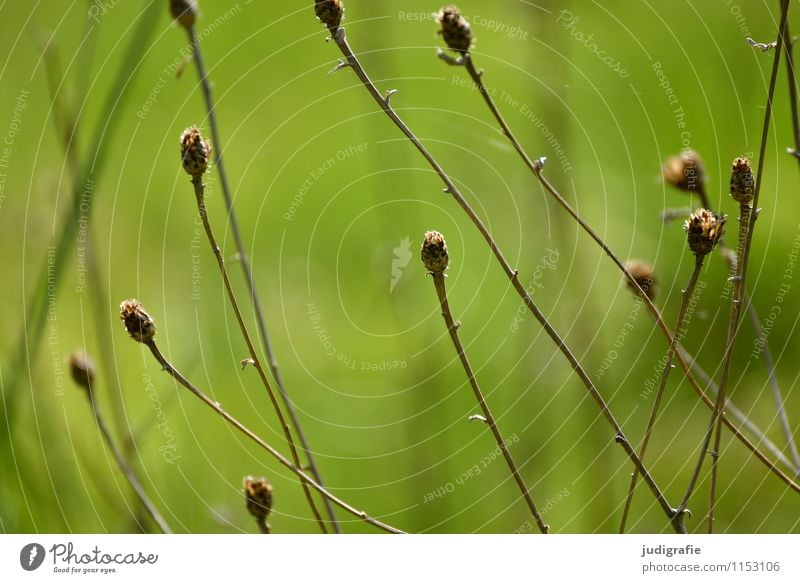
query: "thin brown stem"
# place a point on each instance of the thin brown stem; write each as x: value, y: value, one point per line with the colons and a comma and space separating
x: 537, y: 167
x: 126, y: 469
x: 284, y: 461
x: 352, y: 61
x: 791, y: 78
x: 247, y: 271
x: 452, y: 329
x: 687, y: 295
x: 199, y: 190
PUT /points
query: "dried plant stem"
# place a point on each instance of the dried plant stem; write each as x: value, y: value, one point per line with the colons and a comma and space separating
x: 352, y: 61
x: 141, y: 495
x: 305, y: 478
x: 199, y: 190
x: 452, y: 329
x: 791, y: 77
x: 687, y: 296
x: 747, y: 218
x: 537, y: 168
x: 244, y: 261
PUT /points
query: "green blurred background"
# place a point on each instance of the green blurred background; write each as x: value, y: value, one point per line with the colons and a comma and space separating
x: 353, y: 318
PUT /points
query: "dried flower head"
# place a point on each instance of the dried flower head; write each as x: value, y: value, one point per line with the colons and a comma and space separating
x: 330, y: 13
x: 258, y: 496
x: 685, y: 171
x: 742, y: 182
x: 642, y: 272
x: 434, y: 252
x: 184, y: 12
x: 138, y: 323
x: 456, y: 31
x: 82, y: 370
x: 195, y: 152
x: 704, y: 229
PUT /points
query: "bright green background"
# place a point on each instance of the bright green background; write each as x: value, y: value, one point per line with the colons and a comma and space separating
x: 385, y: 439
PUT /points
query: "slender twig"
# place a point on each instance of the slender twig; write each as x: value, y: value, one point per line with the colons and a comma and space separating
x: 537, y: 167
x: 687, y: 295
x: 199, y: 190
x: 247, y: 271
x: 352, y: 61
x: 432, y: 240
x: 305, y: 478
x: 791, y: 78
x: 748, y: 217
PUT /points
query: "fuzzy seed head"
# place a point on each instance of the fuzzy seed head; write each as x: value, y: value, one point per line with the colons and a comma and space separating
x: 138, y: 323
x: 258, y: 496
x: 434, y: 252
x: 703, y: 230
x: 642, y: 272
x: 743, y: 185
x: 330, y: 13
x: 184, y: 12
x: 456, y: 31
x: 82, y: 370
x: 195, y: 152
x: 685, y: 171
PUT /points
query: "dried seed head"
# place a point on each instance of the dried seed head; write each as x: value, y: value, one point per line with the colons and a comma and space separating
x: 184, y: 11
x: 642, y: 272
x: 82, y: 370
x: 685, y: 171
x: 258, y: 496
x: 195, y: 152
x: 138, y: 323
x: 456, y: 31
x: 434, y: 252
x: 330, y: 13
x: 742, y: 182
x: 704, y: 229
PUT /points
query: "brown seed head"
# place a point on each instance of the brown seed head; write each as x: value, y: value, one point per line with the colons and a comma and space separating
x: 82, y: 370
x: 456, y: 31
x: 330, y: 13
x: 184, y: 12
x: 703, y: 230
x: 195, y: 152
x: 258, y: 496
x: 685, y: 171
x: 642, y: 272
x: 743, y: 185
x: 138, y: 323
x: 434, y: 252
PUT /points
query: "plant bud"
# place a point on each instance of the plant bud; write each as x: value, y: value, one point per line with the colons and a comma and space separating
x: 330, y: 13
x: 82, y: 370
x: 434, y: 252
x: 138, y: 323
x: 742, y: 182
x: 642, y: 272
x: 685, y: 171
x: 195, y: 152
x: 456, y: 31
x: 258, y: 497
x: 704, y: 229
x: 184, y: 12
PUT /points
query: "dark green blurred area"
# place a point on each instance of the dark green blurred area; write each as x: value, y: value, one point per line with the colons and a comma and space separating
x: 381, y: 395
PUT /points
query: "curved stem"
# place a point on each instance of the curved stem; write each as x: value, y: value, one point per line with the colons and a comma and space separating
x: 687, y: 296
x: 452, y: 329
x: 199, y: 190
x: 248, y: 272
x: 305, y: 478
x: 352, y: 61
x: 126, y: 469
x: 537, y: 168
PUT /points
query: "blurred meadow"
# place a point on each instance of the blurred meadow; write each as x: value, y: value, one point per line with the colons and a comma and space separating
x: 333, y: 203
